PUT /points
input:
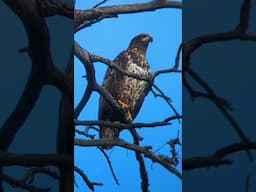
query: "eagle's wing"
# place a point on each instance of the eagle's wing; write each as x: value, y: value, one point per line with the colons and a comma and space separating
x: 113, y: 84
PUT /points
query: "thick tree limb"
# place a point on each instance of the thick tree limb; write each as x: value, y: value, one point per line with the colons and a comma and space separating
x: 140, y: 159
x: 55, y: 7
x: 10, y: 159
x: 124, y: 125
x: 84, y: 57
x: 43, y: 70
x: 66, y: 131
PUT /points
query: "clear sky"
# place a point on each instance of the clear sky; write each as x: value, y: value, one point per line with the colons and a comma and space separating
x: 108, y: 38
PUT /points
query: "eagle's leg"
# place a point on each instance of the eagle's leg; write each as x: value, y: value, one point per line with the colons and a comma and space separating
x: 125, y: 107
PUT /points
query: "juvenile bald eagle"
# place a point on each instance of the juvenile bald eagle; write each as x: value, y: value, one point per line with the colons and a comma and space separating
x: 127, y: 91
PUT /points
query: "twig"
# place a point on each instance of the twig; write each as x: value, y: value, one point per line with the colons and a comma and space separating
x: 16, y: 183
x: 219, y: 105
x: 84, y: 133
x: 167, y: 99
x: 86, y: 179
x: 30, y: 174
x: 219, y: 157
x: 100, y: 3
x: 110, y: 165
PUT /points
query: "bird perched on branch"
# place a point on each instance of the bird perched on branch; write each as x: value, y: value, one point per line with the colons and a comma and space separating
x: 129, y: 92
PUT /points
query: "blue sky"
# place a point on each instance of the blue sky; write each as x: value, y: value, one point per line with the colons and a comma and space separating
x: 108, y: 38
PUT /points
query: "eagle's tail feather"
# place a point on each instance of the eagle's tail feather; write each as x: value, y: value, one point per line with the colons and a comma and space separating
x: 108, y: 133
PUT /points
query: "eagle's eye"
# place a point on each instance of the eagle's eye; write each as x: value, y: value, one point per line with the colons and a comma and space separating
x: 146, y: 38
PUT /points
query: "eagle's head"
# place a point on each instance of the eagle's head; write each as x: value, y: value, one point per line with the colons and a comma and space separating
x: 141, y: 41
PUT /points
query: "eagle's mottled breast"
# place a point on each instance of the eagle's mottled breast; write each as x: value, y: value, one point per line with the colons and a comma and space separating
x: 134, y: 88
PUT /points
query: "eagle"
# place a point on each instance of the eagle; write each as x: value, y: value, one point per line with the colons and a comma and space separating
x: 129, y: 92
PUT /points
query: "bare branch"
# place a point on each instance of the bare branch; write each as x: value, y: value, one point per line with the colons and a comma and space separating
x: 30, y: 174
x: 10, y: 159
x: 174, y: 69
x: 85, y: 59
x: 219, y: 157
x: 84, y: 133
x: 109, y: 165
x: 238, y: 33
x: 202, y: 162
x: 219, y: 105
x: 65, y: 131
x: 17, y: 183
x: 111, y: 64
x: 89, y: 183
x: 124, y: 125
x: 43, y: 70
x: 83, y: 55
x: 85, y: 18
x: 100, y: 3
x: 167, y: 99
x: 142, y: 167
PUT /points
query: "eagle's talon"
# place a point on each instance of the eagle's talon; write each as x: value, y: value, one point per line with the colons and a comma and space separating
x: 122, y: 104
x: 125, y: 107
x: 128, y: 116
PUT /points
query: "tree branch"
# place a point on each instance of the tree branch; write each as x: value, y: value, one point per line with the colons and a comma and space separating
x: 30, y: 174
x: 142, y: 167
x: 127, y: 126
x: 10, y: 159
x: 85, y: 18
x: 84, y: 57
x: 17, y: 183
x: 219, y: 157
x: 53, y: 7
x: 89, y: 183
